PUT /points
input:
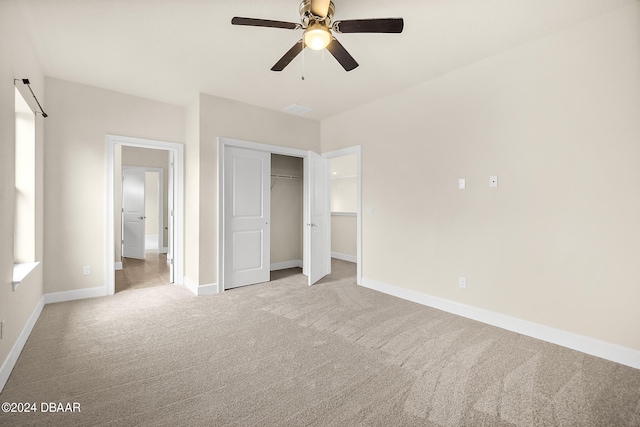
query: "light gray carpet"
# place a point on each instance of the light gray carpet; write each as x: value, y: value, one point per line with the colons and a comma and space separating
x: 282, y: 353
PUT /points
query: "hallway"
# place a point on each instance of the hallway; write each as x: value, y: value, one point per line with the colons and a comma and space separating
x: 143, y: 273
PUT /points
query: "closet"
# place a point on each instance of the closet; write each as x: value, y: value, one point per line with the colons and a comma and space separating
x: 286, y: 212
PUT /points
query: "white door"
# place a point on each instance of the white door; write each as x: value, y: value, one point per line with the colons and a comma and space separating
x: 171, y: 213
x: 133, y: 182
x: 319, y: 218
x: 247, y: 205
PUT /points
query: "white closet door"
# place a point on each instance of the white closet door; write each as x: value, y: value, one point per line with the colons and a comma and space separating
x: 319, y: 221
x: 247, y: 205
x: 133, y: 216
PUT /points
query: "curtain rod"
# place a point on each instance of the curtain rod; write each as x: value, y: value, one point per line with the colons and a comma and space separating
x: 26, y: 82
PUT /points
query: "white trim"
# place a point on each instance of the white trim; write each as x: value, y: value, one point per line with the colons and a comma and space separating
x: 201, y: 290
x: 21, y: 271
x: 164, y: 250
x: 344, y: 214
x: 357, y: 150
x: 344, y: 257
x: 118, y: 265
x: 74, y: 295
x: 192, y: 286
x: 286, y: 264
x: 178, y: 253
x: 616, y: 353
x: 13, y: 355
x: 208, y: 289
x: 274, y: 149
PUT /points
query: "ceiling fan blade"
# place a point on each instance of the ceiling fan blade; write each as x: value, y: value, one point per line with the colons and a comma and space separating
x: 320, y: 7
x: 342, y: 56
x: 382, y: 25
x: 288, y: 57
x: 254, y: 22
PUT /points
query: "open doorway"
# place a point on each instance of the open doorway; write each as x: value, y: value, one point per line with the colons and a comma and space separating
x: 346, y: 202
x: 159, y: 169
x: 144, y: 220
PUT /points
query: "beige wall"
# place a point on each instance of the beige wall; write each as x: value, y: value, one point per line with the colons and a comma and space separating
x: 17, y: 61
x: 286, y: 209
x: 344, y: 194
x: 75, y: 174
x: 557, y: 242
x: 192, y: 192
x: 219, y: 117
x: 344, y: 235
x: 344, y: 198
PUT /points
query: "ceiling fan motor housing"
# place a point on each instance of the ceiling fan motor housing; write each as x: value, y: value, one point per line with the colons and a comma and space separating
x: 307, y: 17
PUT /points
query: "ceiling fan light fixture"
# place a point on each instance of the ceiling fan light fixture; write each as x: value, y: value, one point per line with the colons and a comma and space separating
x: 317, y: 36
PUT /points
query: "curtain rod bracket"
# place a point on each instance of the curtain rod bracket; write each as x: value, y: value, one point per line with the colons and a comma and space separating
x: 26, y: 82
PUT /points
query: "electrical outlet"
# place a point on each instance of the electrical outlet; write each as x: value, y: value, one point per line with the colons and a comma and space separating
x: 493, y: 181
x: 86, y: 270
x: 462, y: 282
x: 462, y: 183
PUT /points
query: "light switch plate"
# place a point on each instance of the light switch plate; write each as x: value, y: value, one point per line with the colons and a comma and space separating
x: 493, y: 181
x: 462, y: 183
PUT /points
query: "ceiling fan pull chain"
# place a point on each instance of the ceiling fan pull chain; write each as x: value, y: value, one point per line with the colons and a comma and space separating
x: 303, y: 61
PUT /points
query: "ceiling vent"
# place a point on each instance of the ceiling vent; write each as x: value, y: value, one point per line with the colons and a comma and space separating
x: 297, y: 109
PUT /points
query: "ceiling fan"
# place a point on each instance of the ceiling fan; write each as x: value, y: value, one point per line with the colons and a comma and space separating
x: 315, y: 18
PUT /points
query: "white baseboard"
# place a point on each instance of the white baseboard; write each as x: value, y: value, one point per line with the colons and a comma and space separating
x: 193, y: 287
x: 118, y: 265
x: 164, y: 250
x: 74, y: 295
x: 201, y: 290
x: 615, y: 353
x: 12, y: 358
x: 208, y: 289
x: 344, y: 257
x: 286, y: 264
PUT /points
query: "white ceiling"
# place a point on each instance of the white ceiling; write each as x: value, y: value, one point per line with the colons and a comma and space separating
x: 170, y: 50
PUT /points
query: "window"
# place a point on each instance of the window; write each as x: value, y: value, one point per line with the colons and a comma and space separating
x: 24, y: 213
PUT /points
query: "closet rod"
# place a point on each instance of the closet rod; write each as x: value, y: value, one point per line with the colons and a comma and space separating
x: 285, y: 176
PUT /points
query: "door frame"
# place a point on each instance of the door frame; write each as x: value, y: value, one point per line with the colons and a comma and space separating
x: 160, y: 207
x: 357, y: 150
x: 178, y: 159
x: 273, y: 149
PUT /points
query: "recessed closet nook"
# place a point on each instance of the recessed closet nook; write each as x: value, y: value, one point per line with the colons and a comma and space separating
x: 286, y: 211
